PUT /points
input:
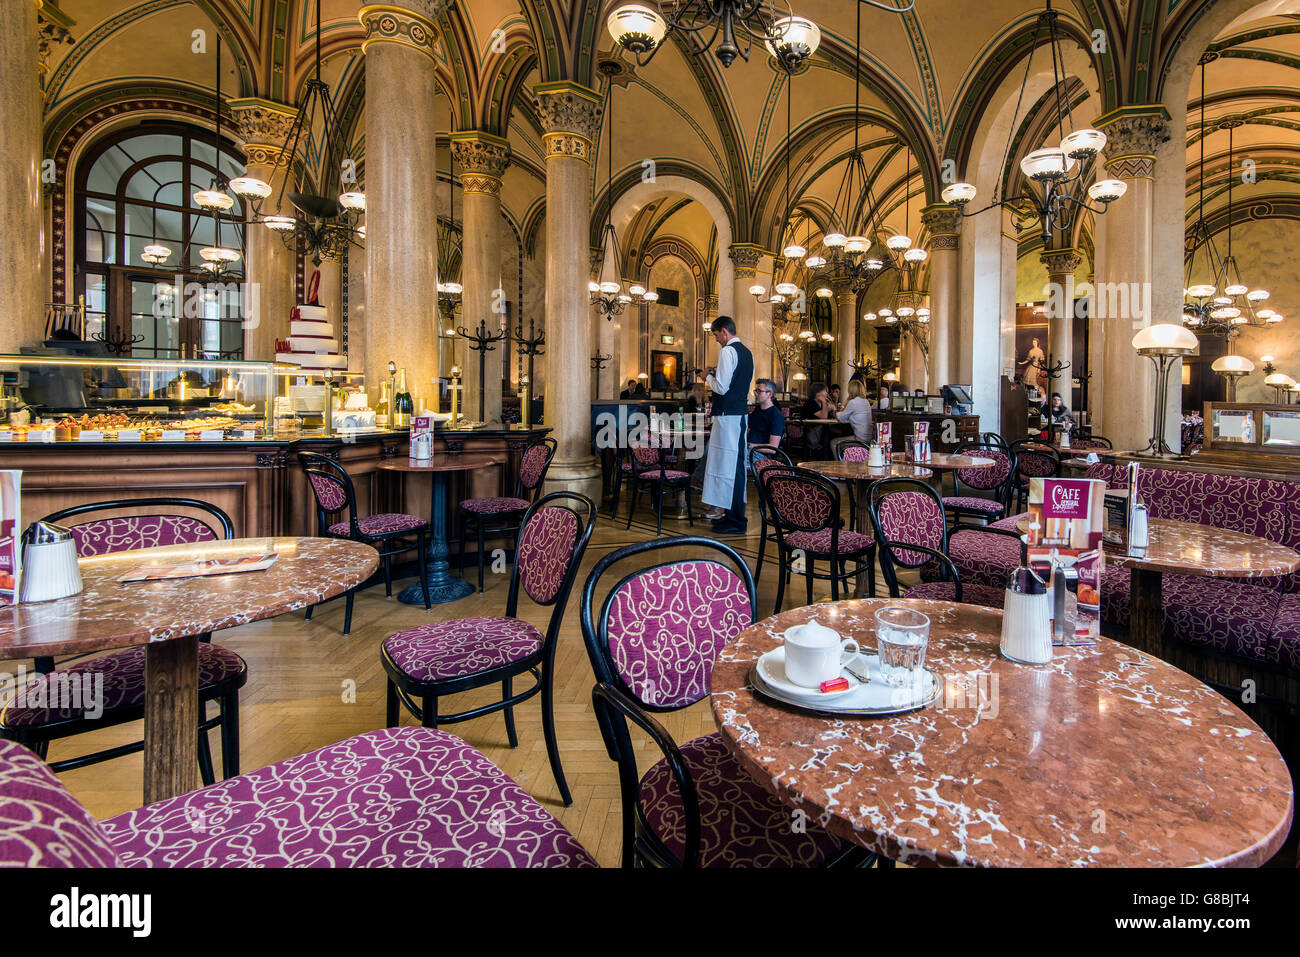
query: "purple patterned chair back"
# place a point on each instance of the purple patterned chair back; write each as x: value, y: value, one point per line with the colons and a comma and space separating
x: 1035, y: 461
x: 664, y: 628
x: 647, y: 456
x: 330, y: 493
x: 545, y: 551
x: 41, y: 824
x: 913, y: 518
x: 854, y: 453
x: 532, y: 468
x: 118, y: 533
x: 798, y: 502
x: 1090, y: 445
x: 986, y: 478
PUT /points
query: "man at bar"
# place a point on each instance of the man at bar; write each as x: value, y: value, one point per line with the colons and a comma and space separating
x: 724, y: 479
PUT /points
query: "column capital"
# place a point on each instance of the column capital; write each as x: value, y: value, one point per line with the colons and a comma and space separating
x: 483, y: 159
x: 1061, y: 262
x: 571, y: 117
x: 746, y: 257
x: 411, y: 24
x: 943, y: 220
x: 264, y: 127
x: 1133, y: 135
x: 52, y: 28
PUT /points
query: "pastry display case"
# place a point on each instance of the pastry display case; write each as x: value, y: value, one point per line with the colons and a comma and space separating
x: 59, y: 398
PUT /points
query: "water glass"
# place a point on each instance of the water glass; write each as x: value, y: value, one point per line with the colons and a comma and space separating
x: 901, y: 637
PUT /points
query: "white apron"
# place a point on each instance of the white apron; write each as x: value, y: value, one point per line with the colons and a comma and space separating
x: 725, y: 442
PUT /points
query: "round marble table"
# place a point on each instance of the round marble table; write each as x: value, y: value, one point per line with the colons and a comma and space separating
x: 1185, y: 548
x: 443, y: 586
x: 168, y: 616
x: 865, y: 476
x: 1103, y: 757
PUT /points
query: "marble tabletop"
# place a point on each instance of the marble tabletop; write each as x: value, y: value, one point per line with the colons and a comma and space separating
x: 862, y: 472
x: 1185, y: 548
x: 946, y: 460
x: 110, y: 614
x: 440, y: 462
x: 1103, y: 757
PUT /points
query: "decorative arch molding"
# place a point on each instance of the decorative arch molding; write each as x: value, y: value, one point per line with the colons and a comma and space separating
x: 1273, y: 206
x: 1188, y: 33
x: 75, y: 129
x: 530, y: 225
x: 671, y: 176
x: 671, y: 247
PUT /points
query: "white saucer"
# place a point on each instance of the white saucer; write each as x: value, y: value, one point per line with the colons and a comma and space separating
x: 771, y: 667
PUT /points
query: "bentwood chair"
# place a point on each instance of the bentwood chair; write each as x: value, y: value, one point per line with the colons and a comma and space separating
x: 762, y: 458
x: 431, y: 661
x: 853, y: 450
x: 994, y: 482
x: 652, y: 642
x: 401, y: 797
x: 912, y: 533
x: 45, y: 714
x: 650, y: 471
x: 1094, y: 443
x: 805, y: 511
x: 389, y: 533
x: 994, y: 438
x: 506, y: 513
x: 1034, y: 459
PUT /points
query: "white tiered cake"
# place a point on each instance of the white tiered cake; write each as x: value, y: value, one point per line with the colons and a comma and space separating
x: 311, y: 341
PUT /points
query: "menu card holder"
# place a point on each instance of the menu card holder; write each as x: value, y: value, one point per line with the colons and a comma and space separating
x: 1067, y: 519
x: 885, y: 436
x: 11, y: 560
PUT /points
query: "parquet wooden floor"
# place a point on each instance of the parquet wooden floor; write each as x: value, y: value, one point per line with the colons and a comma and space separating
x: 301, y: 675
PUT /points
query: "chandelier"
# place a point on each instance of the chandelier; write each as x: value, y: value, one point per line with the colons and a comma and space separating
x: 607, y: 293
x: 1059, y: 170
x: 640, y: 28
x: 1222, y: 305
x: 323, y: 226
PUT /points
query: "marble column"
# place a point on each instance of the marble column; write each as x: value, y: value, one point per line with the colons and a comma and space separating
x: 745, y: 256
x: 264, y: 127
x: 1125, y: 271
x: 482, y: 159
x: 401, y: 205
x: 913, y: 372
x: 22, y: 290
x: 846, y: 333
x: 1061, y: 265
x: 570, y: 117
x: 944, y: 224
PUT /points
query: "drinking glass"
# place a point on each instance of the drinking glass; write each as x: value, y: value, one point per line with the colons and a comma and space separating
x: 901, y: 637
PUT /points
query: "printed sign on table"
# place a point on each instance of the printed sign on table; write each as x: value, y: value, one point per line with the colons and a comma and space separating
x: 1067, y: 518
x: 885, y: 435
x: 10, y: 536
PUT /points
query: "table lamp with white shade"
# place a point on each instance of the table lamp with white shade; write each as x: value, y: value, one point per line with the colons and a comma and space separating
x: 1163, y: 343
x: 1232, y: 367
x: 1280, y: 383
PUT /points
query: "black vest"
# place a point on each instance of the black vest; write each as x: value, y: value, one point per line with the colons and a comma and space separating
x: 735, y: 401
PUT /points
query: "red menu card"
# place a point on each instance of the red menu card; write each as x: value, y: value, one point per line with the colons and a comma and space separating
x: 1067, y: 518
x: 11, y: 552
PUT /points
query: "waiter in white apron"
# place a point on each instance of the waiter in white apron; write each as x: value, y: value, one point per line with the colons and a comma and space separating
x: 724, y: 478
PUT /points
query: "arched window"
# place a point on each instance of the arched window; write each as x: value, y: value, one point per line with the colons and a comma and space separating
x: 135, y: 188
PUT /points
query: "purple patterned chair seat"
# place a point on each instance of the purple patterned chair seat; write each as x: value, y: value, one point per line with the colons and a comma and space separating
x: 985, y: 595
x: 495, y: 506
x: 670, y: 475
x: 385, y: 523
x: 1284, y: 639
x: 399, y: 797
x: 445, y: 650
x: 819, y: 542
x: 123, y: 687
x: 741, y: 825
x: 973, y: 503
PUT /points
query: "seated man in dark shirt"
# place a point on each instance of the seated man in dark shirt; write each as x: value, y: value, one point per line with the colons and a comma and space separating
x: 767, y: 421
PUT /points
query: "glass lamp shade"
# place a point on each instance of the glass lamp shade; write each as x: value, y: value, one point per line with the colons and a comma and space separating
x: 636, y: 290
x: 354, y: 201
x: 800, y: 377
x: 835, y: 240
x: 624, y: 298
x: 636, y: 27
x: 1165, y: 339
x: 906, y: 311
x: 797, y: 39
x: 1233, y: 365
x: 891, y: 319
x: 219, y: 254
x: 959, y: 194
x: 454, y: 288
x: 915, y: 255
x: 858, y: 244
x: 1225, y: 312
x: 1279, y: 380
x: 1047, y: 165
x: 1083, y: 144
x: 1275, y: 318
x: 757, y: 290
x: 898, y: 243
x: 1191, y: 320
x: 1223, y: 300
x: 816, y: 262
x: 250, y: 186
x: 1257, y: 295
x: 787, y: 288
x: 870, y: 317
x: 707, y: 326
x: 786, y: 337
x: 1201, y: 291
x: 155, y: 253
x: 886, y: 312
x: 875, y: 264
x: 827, y: 337
x: 609, y: 288
x: 776, y: 299
x: 213, y: 199
x: 1107, y: 190
x: 361, y: 232
x: 923, y: 312
x: 807, y: 334
x: 651, y: 296
x: 825, y: 292
x: 793, y: 251
x: 1236, y: 289
x: 593, y: 286
x: 281, y: 224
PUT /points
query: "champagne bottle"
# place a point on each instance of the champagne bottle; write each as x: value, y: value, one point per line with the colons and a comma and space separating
x: 381, y: 410
x: 403, y: 405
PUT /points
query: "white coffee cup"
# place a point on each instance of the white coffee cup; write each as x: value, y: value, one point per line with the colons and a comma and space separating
x: 815, y: 653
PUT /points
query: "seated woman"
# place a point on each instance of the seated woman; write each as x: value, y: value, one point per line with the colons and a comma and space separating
x: 857, y: 411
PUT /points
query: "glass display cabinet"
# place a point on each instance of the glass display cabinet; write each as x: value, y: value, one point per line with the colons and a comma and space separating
x: 1252, y: 427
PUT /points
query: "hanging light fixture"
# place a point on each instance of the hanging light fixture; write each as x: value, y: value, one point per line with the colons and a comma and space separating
x: 607, y: 292
x: 912, y: 318
x: 323, y: 226
x: 1058, y: 169
x: 734, y: 25
x: 217, y: 258
x: 1218, y: 303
